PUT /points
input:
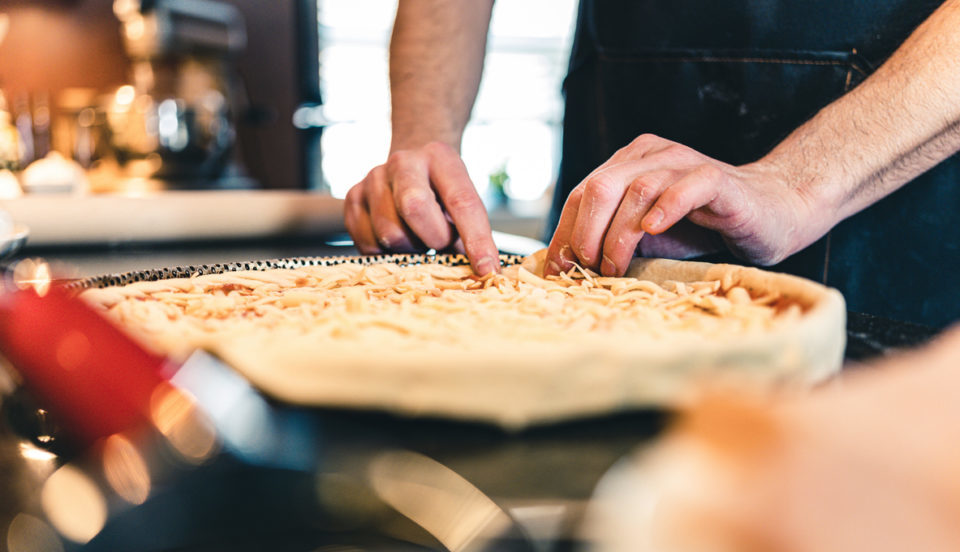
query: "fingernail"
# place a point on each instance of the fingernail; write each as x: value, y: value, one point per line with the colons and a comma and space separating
x: 486, y: 265
x: 566, y: 254
x: 653, y: 219
x: 607, y: 268
x: 553, y: 267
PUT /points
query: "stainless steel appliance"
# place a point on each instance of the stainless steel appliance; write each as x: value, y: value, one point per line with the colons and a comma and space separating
x: 176, y: 121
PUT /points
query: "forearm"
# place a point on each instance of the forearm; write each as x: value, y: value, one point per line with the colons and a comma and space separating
x: 436, y: 59
x: 900, y: 122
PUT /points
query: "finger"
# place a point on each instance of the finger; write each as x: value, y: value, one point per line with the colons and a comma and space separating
x: 625, y: 231
x: 644, y: 146
x: 415, y: 201
x: 390, y: 231
x: 695, y: 190
x: 460, y: 199
x: 358, y: 222
x: 561, y: 252
x: 602, y: 195
x: 560, y: 257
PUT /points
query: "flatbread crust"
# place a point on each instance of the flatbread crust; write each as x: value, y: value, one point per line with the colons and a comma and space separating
x: 515, y: 378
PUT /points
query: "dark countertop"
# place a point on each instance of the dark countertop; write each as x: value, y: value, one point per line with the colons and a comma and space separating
x: 539, y: 480
x: 85, y: 261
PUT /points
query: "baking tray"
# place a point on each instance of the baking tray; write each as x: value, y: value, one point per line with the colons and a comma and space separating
x: 152, y: 275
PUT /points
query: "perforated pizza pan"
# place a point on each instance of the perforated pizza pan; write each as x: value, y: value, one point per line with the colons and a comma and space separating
x: 153, y: 275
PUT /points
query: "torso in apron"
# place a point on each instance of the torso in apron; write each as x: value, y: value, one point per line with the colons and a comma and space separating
x: 731, y: 79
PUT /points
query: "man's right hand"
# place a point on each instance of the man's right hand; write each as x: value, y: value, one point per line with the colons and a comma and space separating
x: 421, y: 197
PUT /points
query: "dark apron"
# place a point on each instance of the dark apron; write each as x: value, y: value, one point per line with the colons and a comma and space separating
x: 731, y: 79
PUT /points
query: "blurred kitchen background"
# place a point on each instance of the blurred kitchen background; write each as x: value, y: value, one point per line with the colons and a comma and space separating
x: 138, y: 96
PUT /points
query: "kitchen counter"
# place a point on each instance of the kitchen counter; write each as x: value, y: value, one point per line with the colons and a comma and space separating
x: 81, y: 261
x: 320, y: 484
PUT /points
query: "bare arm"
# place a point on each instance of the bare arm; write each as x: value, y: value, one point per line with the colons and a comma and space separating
x: 900, y: 122
x: 436, y: 59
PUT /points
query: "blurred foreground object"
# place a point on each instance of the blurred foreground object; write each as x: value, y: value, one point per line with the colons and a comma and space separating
x: 866, y: 464
x: 97, y: 379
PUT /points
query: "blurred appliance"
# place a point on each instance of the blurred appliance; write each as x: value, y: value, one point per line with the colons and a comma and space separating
x: 176, y: 121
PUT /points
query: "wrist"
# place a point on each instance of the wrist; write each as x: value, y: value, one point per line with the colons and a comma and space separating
x: 416, y: 141
x: 806, y: 211
x: 410, y: 132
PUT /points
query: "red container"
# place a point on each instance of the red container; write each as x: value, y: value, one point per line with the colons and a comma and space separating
x: 94, y: 378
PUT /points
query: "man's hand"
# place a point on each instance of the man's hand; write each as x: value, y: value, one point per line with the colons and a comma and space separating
x: 436, y: 58
x: 413, y: 198
x: 897, y: 124
x: 652, y: 184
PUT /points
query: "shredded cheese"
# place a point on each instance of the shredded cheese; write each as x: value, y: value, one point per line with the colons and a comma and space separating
x: 396, y: 306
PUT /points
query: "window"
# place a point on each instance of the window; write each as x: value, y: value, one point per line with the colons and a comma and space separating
x: 515, y: 128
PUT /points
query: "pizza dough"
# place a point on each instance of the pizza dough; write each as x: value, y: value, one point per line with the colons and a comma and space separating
x: 513, y: 349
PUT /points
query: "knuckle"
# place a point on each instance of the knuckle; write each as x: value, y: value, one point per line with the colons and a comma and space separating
x: 441, y: 149
x: 711, y: 173
x: 643, y: 144
x: 601, y: 187
x: 574, y: 198
x: 645, y: 140
x: 677, y: 151
x: 644, y: 187
x: 377, y: 176
x: 674, y: 198
x: 404, y: 180
x: 354, y: 194
x: 413, y: 202
x: 377, y: 172
x: 463, y: 200
x: 396, y: 159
